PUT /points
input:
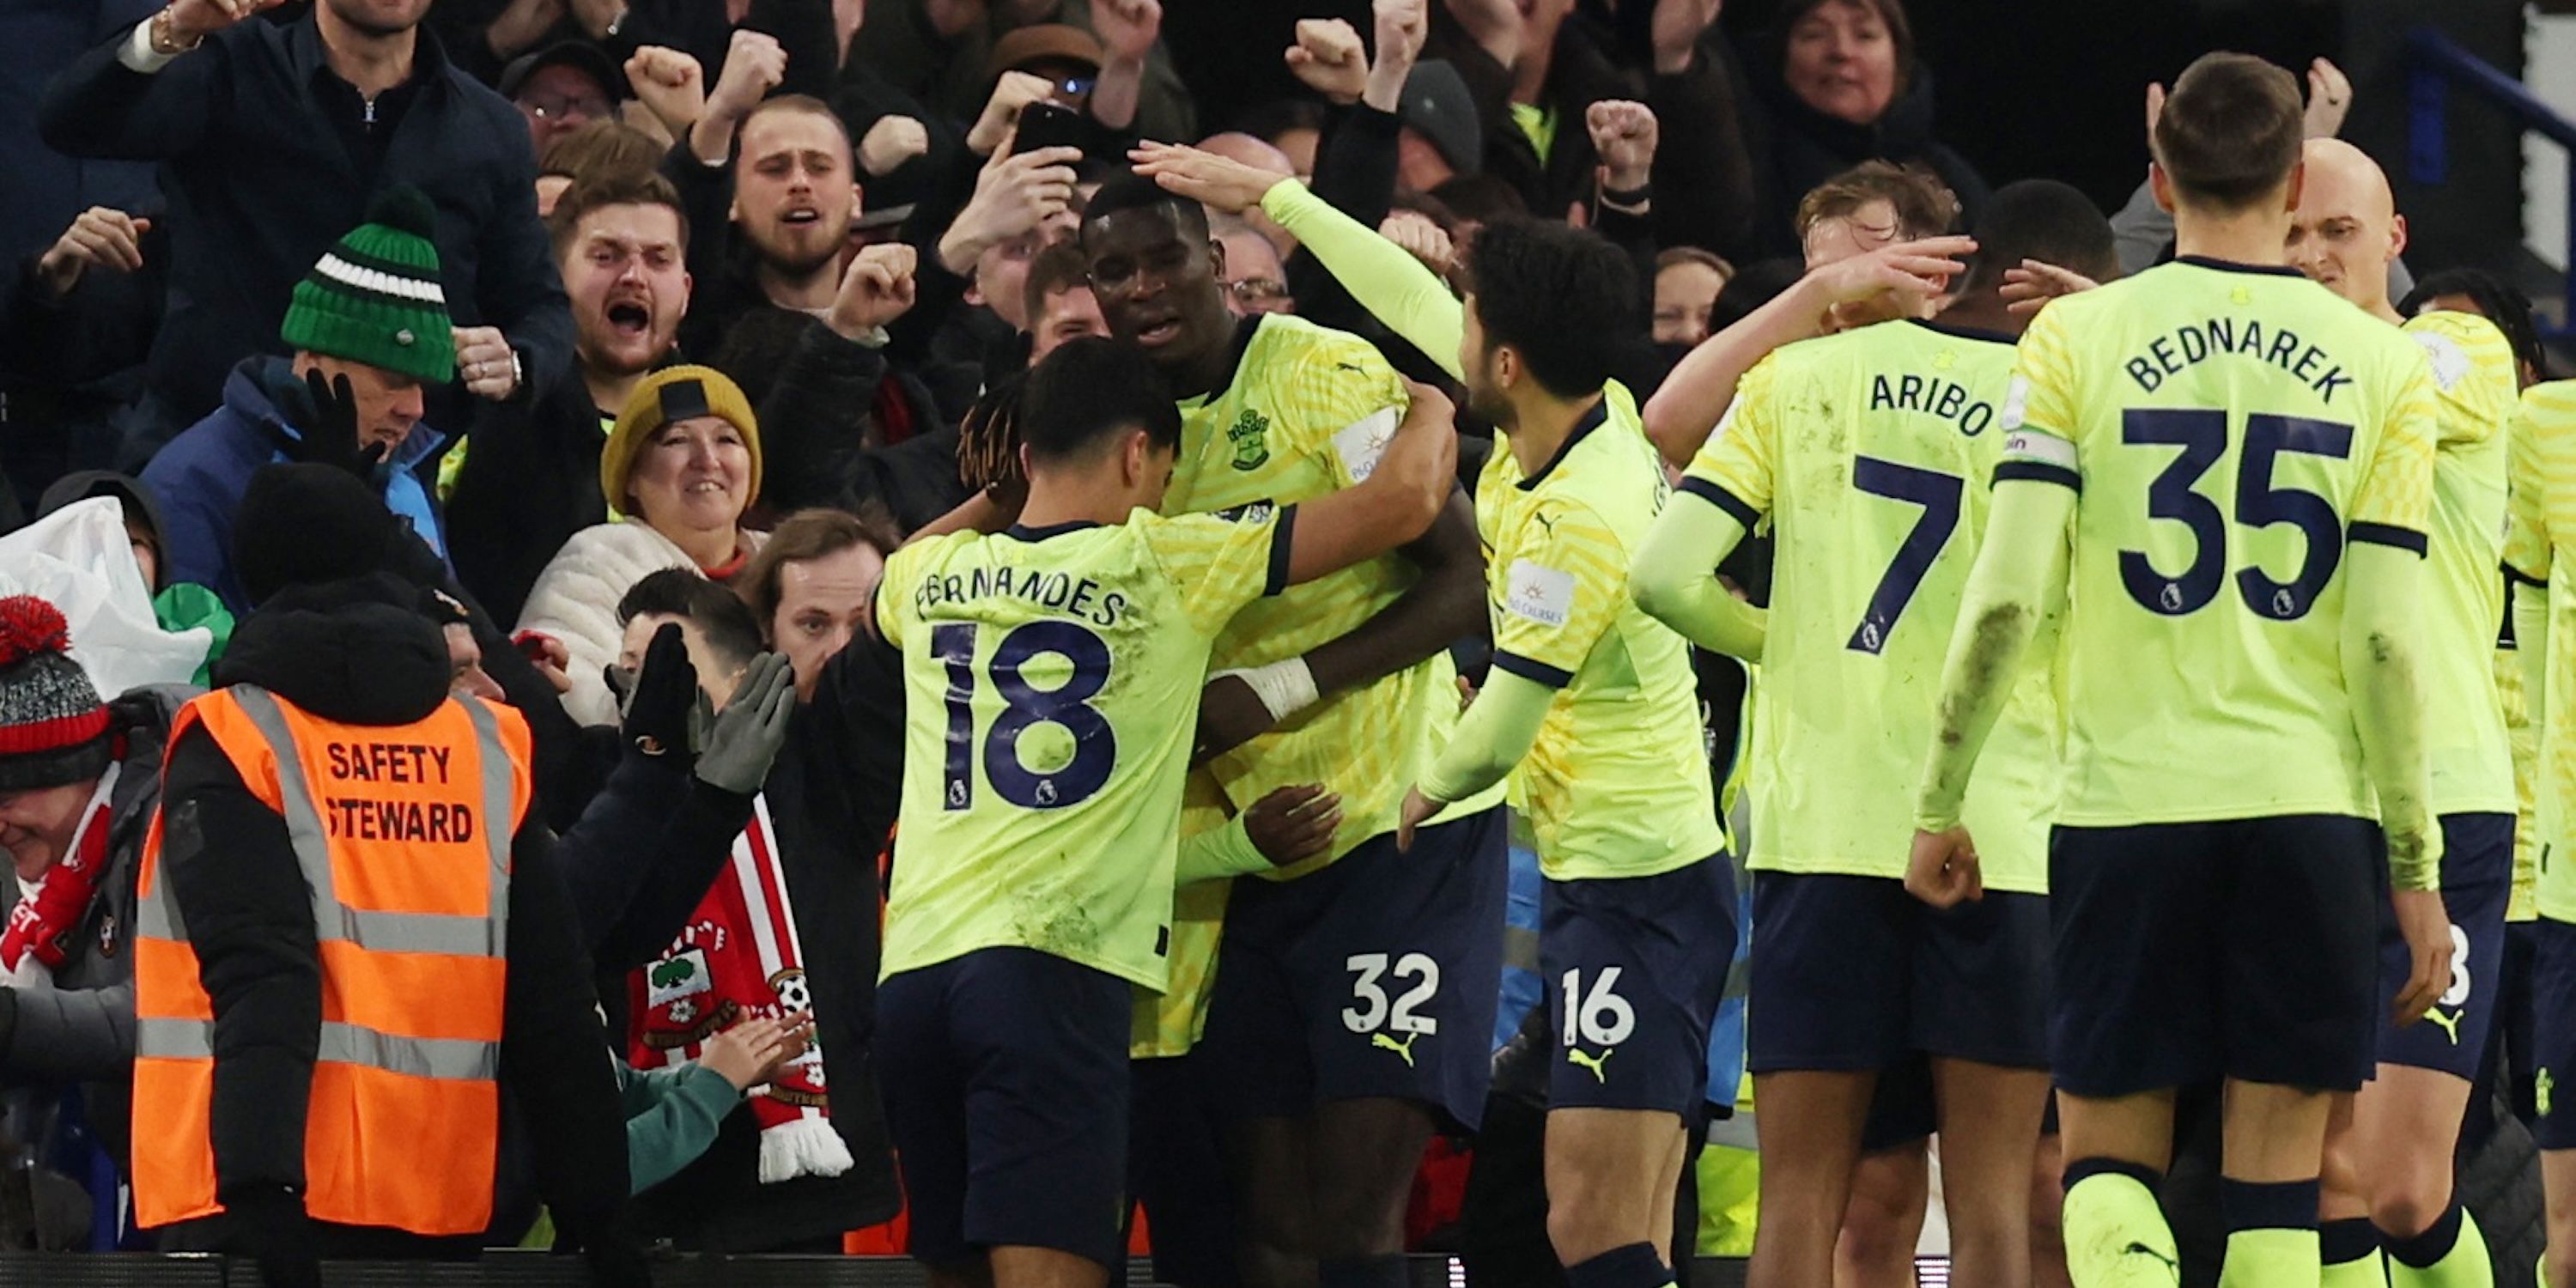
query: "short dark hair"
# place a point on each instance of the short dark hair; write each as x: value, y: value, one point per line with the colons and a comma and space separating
x: 2044, y: 220
x: 1562, y: 296
x: 2230, y: 132
x: 1055, y: 270
x: 808, y: 535
x: 718, y: 613
x: 805, y: 104
x: 1924, y: 205
x: 1088, y: 392
x: 1480, y: 198
x: 2498, y: 301
x: 597, y: 149
x: 614, y: 188
x: 1129, y: 190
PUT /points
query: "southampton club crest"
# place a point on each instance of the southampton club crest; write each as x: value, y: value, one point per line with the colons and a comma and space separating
x: 1251, y: 439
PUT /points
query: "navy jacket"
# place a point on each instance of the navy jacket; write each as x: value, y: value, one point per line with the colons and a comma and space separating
x: 200, y: 477
x: 254, y: 132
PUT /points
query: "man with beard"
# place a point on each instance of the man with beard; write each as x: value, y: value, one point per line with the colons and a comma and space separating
x: 1355, y: 995
x: 274, y: 139
x: 531, y: 478
x: 803, y: 333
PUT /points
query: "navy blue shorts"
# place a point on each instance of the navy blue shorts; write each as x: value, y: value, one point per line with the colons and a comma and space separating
x: 1005, y: 1084
x: 1376, y: 976
x: 1851, y: 973
x: 2241, y: 948
x: 2477, y: 883
x: 1639, y: 967
x: 2553, y: 1032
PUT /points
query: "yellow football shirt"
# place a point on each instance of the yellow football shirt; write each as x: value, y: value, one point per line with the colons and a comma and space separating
x: 1869, y: 453
x: 2230, y: 428
x: 1307, y: 412
x: 1051, y: 682
x: 2540, y: 547
x: 1617, y: 784
x: 2464, y: 731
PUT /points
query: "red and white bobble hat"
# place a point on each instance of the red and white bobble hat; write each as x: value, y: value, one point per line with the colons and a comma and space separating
x: 53, y: 728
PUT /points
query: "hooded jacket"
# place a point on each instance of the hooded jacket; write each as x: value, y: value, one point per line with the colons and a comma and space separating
x: 81, y: 1030
x: 1797, y: 147
x: 358, y: 653
x: 200, y: 477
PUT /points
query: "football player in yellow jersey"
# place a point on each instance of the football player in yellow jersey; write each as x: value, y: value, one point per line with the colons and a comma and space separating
x: 2242, y: 465
x: 1053, y: 675
x: 1859, y: 449
x: 1353, y: 1001
x: 2540, y: 557
x: 1590, y: 709
x: 2388, y: 1174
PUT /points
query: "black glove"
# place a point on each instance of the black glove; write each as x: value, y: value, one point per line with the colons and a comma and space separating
x: 659, y: 697
x: 326, y: 417
x: 271, y: 1228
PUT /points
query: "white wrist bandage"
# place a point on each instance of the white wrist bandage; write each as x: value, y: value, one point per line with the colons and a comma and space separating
x: 1285, y: 688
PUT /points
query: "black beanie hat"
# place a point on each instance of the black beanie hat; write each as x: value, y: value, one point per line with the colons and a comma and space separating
x: 302, y: 523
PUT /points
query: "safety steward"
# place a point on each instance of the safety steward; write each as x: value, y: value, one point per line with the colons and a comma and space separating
x: 351, y: 938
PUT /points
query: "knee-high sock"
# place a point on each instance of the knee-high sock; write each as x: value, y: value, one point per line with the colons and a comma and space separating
x: 2350, y: 1250
x: 2271, y: 1233
x: 2450, y: 1254
x: 2116, y: 1234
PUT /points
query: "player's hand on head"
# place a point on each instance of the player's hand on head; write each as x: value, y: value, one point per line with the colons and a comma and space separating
x: 1294, y: 824
x: 1914, y: 271
x: 1417, y: 811
x: 1943, y: 870
x: 1220, y: 183
x: 2426, y: 926
x: 2027, y: 289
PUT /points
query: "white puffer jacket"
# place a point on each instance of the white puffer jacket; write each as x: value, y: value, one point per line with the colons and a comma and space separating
x: 575, y: 601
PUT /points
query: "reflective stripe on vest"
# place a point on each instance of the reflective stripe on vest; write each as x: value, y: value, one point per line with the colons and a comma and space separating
x: 379, y: 967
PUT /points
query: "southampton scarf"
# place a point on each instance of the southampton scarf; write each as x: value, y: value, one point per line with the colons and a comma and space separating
x: 40, y: 928
x: 739, y: 957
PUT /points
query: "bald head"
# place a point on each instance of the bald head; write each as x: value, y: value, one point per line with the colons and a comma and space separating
x: 1235, y: 145
x: 2346, y: 230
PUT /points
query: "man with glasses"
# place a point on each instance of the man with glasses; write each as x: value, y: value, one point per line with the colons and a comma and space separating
x: 561, y: 88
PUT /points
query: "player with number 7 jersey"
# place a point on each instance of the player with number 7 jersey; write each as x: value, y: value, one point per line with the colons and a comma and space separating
x: 1052, y: 675
x: 1867, y: 453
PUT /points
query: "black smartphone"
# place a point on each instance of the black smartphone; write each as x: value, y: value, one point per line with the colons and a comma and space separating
x: 1048, y: 125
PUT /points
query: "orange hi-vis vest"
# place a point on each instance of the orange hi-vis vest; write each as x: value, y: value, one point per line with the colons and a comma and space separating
x: 403, y: 837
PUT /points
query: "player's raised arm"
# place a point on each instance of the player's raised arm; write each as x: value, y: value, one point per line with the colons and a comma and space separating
x: 1688, y: 405
x: 1395, y: 504
x: 1386, y: 280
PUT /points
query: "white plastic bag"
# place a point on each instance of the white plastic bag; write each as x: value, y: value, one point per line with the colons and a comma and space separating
x: 79, y: 559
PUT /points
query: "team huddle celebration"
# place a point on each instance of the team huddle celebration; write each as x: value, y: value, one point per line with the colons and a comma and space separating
x: 1101, y: 641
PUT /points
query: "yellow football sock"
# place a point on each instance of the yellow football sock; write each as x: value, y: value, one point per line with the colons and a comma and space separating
x: 2116, y: 1234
